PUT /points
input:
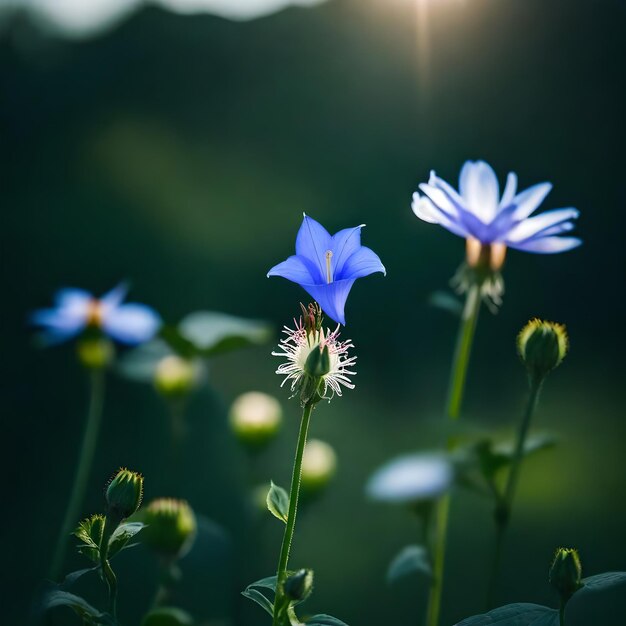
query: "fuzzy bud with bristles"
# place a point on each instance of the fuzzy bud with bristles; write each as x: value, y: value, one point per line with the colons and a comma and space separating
x: 566, y: 572
x: 542, y: 346
x: 170, y: 527
x: 174, y: 376
x: 95, y: 353
x: 124, y: 493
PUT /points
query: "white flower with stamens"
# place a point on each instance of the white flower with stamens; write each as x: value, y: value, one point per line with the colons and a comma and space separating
x: 298, y: 345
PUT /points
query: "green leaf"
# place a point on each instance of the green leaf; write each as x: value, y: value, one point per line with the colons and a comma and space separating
x: 79, y: 605
x: 534, y: 443
x: 72, y: 577
x: 122, y: 535
x: 167, y: 616
x: 89, y: 531
x: 519, y: 614
x: 602, y: 582
x: 212, y: 333
x: 324, y: 620
x: 278, y: 502
x: 446, y: 301
x: 411, y: 559
x: 252, y: 592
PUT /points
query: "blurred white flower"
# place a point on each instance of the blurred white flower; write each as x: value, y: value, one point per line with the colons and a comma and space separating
x: 411, y: 478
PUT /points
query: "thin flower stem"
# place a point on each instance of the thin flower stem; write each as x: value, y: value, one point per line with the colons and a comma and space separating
x: 85, y: 459
x: 504, y: 507
x: 294, y: 493
x: 562, y: 614
x: 460, y: 362
x: 109, y: 575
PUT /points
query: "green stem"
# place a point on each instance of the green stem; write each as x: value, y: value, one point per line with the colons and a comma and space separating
x: 562, y: 614
x: 460, y: 362
x: 85, y: 459
x: 505, y: 505
x: 110, y: 524
x: 294, y: 493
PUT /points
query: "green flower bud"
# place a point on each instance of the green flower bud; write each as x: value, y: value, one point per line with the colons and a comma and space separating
x: 95, y: 353
x: 255, y: 418
x: 175, y: 376
x: 167, y: 616
x: 566, y: 572
x: 542, y: 346
x: 317, y: 363
x: 124, y: 493
x: 170, y: 527
x: 299, y: 585
x: 319, y: 464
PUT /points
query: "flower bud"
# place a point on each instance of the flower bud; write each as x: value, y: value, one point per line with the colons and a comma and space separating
x: 95, y: 352
x: 542, y: 346
x: 170, y: 527
x: 174, y: 376
x: 123, y: 494
x: 566, y: 572
x: 167, y: 616
x: 255, y: 418
x: 299, y: 585
x: 319, y: 464
x: 317, y: 363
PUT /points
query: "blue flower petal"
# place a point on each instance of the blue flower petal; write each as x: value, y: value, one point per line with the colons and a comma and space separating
x: 547, y: 245
x: 295, y: 268
x: 533, y: 226
x: 509, y: 190
x: 115, y: 297
x: 332, y: 297
x: 362, y: 263
x: 344, y: 244
x: 479, y: 189
x: 71, y: 297
x: 59, y: 324
x: 529, y: 200
x: 131, y: 323
x: 312, y: 242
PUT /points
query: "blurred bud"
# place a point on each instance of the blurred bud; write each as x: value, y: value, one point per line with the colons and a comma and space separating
x: 319, y: 464
x: 167, y: 616
x: 174, y: 376
x: 170, y: 527
x: 542, y: 346
x: 255, y: 418
x: 123, y: 494
x: 299, y: 585
x: 317, y: 363
x: 95, y: 352
x: 566, y: 572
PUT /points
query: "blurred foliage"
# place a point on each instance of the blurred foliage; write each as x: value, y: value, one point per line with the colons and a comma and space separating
x: 180, y: 152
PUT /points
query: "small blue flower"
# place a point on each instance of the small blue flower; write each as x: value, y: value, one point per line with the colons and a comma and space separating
x: 478, y: 212
x: 76, y: 310
x: 326, y: 265
x: 411, y: 478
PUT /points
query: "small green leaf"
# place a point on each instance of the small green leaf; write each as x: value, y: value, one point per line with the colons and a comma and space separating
x: 265, y: 583
x: 212, y: 333
x: 324, y: 620
x: 259, y: 598
x: 446, y: 301
x: 89, y: 531
x: 534, y: 443
x: 122, y: 535
x: 72, y: 577
x: 411, y: 559
x: 278, y: 502
x: 602, y: 582
x: 167, y: 616
x: 79, y: 605
x: 519, y: 614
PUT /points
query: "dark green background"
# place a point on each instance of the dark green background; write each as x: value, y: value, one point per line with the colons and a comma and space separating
x: 180, y: 152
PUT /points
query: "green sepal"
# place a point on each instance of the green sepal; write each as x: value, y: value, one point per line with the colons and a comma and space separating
x: 278, y: 502
x: 411, y: 559
x: 518, y: 614
x: 446, y: 301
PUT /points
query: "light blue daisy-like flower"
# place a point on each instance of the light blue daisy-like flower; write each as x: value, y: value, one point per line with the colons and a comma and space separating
x: 326, y: 265
x: 411, y: 478
x: 76, y: 310
x: 481, y: 215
